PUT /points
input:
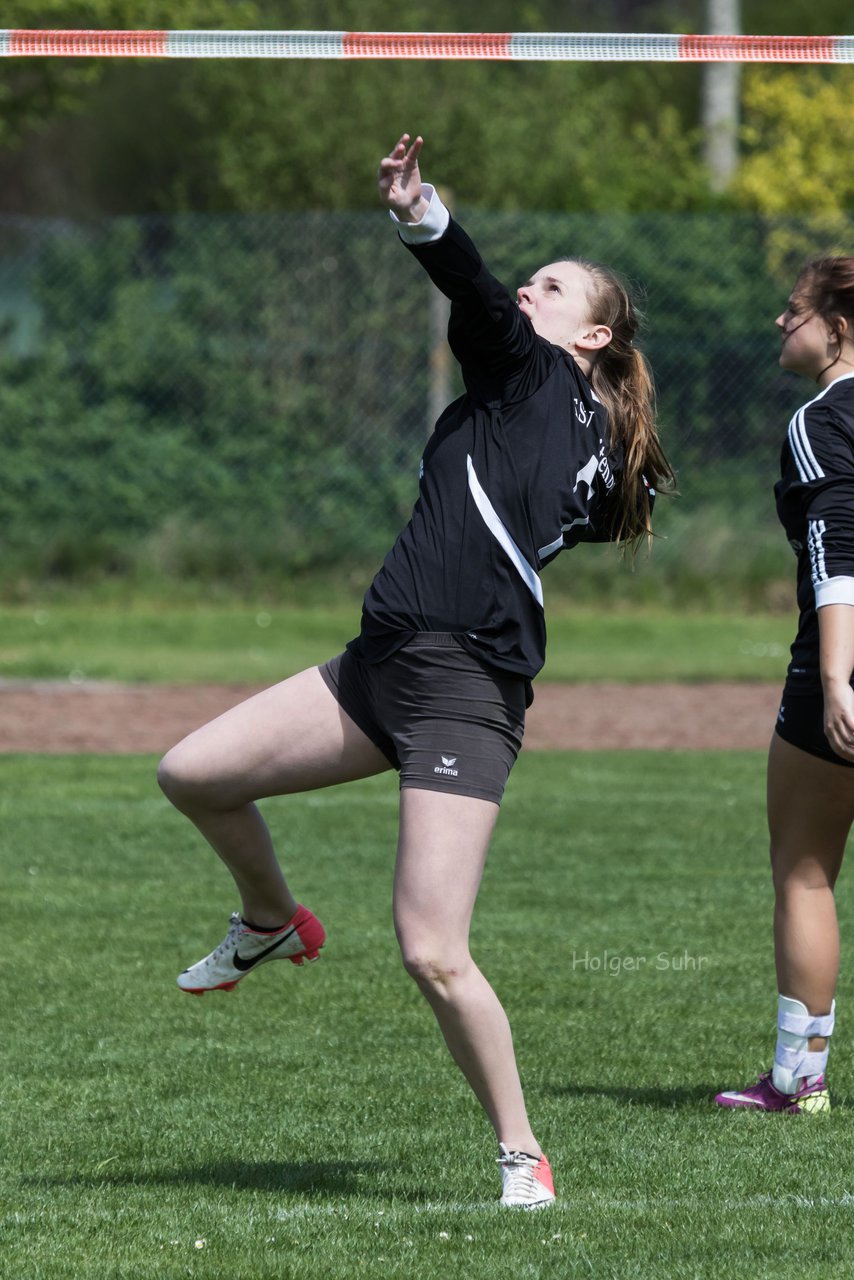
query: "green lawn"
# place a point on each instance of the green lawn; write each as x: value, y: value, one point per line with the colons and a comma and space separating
x: 230, y: 643
x: 310, y: 1125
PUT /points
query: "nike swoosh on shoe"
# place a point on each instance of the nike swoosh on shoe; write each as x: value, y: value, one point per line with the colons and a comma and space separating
x: 244, y: 964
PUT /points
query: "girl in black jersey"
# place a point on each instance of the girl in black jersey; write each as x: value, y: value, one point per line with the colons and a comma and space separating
x: 810, y: 774
x: 549, y: 446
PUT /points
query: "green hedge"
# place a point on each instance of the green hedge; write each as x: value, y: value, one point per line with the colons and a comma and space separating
x: 242, y: 397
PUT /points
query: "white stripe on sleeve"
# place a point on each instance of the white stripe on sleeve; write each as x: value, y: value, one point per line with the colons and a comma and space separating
x: 816, y: 530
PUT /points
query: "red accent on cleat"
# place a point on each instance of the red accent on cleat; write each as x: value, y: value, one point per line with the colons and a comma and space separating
x: 526, y: 1180
x: 244, y: 949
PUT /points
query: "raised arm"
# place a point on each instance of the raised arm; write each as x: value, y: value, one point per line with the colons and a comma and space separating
x: 488, y: 334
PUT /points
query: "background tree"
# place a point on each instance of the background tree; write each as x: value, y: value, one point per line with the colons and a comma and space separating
x: 53, y: 110
x: 246, y: 135
x: 798, y: 129
x: 87, y: 136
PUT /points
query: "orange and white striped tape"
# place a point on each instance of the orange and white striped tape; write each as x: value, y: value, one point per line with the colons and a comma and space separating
x: 503, y: 46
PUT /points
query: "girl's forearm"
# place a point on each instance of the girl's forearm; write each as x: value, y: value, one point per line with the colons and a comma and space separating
x: 836, y: 647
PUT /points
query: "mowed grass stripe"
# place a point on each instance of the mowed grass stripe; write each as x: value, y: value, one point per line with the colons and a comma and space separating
x: 310, y: 1124
x: 236, y: 644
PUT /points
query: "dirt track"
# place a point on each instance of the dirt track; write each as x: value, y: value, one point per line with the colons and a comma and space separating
x: 57, y: 717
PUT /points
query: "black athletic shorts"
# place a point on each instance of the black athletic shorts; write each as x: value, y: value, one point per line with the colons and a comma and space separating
x: 443, y: 719
x: 800, y: 721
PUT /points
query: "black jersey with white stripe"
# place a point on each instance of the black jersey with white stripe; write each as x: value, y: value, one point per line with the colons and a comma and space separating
x: 815, y: 503
x: 518, y: 468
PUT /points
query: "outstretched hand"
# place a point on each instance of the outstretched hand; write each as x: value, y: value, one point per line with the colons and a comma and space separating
x: 400, y: 180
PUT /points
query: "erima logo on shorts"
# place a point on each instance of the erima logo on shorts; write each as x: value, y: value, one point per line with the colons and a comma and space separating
x: 446, y: 767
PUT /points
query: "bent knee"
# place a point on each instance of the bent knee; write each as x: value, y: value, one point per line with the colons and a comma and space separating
x: 430, y: 971
x: 179, y: 776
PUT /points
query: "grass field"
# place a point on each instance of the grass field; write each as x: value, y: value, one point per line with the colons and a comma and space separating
x: 146, y: 641
x: 309, y: 1125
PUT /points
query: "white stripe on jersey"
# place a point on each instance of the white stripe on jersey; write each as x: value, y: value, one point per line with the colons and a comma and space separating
x: 799, y: 440
x: 805, y: 459
x: 815, y: 541
x: 500, y: 531
x: 558, y: 542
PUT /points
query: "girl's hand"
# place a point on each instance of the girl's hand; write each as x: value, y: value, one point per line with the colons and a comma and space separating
x: 400, y: 181
x: 839, y: 719
x: 836, y: 661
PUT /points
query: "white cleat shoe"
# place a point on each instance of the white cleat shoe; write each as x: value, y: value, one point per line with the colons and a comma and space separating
x: 244, y: 949
x: 526, y: 1181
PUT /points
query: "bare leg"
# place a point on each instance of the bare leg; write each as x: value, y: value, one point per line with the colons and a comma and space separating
x: 293, y: 737
x: 441, y: 854
x: 810, y: 812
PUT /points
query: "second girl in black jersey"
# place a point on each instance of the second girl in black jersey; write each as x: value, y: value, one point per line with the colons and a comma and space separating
x: 810, y: 774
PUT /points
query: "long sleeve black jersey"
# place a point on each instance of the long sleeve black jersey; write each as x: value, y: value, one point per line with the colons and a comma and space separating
x: 815, y: 503
x: 517, y: 469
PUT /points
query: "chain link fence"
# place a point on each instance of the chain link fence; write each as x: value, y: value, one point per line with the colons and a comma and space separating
x: 227, y: 397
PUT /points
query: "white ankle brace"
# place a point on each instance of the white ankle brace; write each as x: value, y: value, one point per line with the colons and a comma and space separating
x: 793, y: 1060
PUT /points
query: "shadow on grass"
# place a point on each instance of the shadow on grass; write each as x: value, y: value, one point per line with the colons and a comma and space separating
x: 662, y: 1099
x: 328, y: 1177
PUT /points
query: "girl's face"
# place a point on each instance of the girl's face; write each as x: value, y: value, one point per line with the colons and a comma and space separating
x: 555, y: 301
x: 808, y: 343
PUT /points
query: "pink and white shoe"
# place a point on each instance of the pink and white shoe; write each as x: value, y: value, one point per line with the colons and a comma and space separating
x: 762, y: 1096
x: 526, y: 1181
x: 244, y: 949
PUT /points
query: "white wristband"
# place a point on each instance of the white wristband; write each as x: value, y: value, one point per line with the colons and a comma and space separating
x: 838, y: 590
x: 431, y: 227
